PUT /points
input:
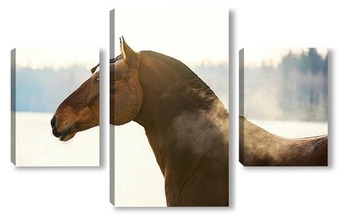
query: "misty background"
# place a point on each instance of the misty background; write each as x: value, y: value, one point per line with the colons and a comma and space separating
x: 295, y: 89
x: 43, y: 89
x: 215, y: 75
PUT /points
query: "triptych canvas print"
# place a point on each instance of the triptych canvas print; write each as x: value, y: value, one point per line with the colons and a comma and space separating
x: 169, y: 107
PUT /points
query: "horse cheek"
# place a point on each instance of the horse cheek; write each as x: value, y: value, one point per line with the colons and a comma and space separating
x: 94, y: 112
x: 127, y: 103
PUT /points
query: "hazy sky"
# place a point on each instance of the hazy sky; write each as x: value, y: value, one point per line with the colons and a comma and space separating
x: 190, y: 35
x: 38, y: 58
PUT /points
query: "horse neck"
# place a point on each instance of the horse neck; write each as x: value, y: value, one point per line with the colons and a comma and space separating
x: 172, y: 105
x: 167, y: 92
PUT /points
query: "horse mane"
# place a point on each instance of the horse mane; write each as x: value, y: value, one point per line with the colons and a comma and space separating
x: 183, y: 71
x: 175, y: 64
x: 113, y: 60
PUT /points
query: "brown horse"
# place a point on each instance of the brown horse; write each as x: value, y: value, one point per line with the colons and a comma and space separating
x: 258, y: 147
x: 186, y: 124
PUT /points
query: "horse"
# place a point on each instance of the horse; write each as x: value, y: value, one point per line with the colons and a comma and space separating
x: 258, y: 147
x: 185, y: 123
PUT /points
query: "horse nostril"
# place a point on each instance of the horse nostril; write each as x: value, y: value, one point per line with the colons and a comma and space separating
x: 53, y: 122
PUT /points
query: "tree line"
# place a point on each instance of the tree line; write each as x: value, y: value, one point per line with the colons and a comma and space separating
x: 297, y: 89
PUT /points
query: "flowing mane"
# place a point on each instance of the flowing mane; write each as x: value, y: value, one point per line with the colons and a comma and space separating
x: 175, y: 64
x: 180, y: 82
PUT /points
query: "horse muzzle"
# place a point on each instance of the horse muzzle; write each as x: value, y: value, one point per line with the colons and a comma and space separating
x: 64, y: 135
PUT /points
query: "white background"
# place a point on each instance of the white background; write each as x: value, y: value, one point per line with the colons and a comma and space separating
x: 253, y: 24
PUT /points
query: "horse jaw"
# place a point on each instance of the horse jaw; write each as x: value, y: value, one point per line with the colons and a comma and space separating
x: 62, y: 129
x: 67, y: 134
x: 65, y: 129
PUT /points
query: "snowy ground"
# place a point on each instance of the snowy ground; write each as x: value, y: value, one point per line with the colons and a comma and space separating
x: 36, y: 146
x: 138, y: 179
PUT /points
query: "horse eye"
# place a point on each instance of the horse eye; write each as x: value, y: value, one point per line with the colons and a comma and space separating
x: 97, y: 80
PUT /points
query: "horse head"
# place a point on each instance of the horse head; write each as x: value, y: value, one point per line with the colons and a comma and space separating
x: 125, y: 89
x: 79, y: 111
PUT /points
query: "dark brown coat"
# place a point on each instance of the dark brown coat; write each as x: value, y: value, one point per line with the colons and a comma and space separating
x: 257, y: 147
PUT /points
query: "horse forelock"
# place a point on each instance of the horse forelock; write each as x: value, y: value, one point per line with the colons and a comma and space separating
x: 114, y: 60
x: 111, y: 61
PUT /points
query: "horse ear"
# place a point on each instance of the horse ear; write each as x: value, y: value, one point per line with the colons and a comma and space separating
x: 128, y: 54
